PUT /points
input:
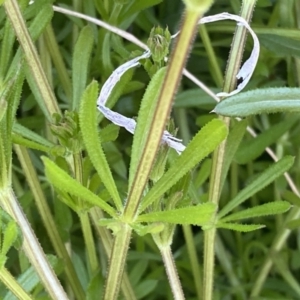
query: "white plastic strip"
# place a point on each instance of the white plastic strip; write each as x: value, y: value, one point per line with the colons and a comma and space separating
x: 120, y: 120
x: 248, y: 67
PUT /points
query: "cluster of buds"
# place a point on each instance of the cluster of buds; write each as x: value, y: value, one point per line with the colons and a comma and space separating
x: 66, y: 129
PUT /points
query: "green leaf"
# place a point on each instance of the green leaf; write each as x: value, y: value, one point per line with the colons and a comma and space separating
x: 249, y: 151
x: 240, y: 227
x: 268, y: 100
x: 232, y: 143
x: 80, y: 63
x: 143, y: 126
x: 293, y: 224
x: 261, y: 181
x: 109, y: 133
x: 267, y: 209
x: 17, y: 139
x: 64, y: 182
x: 194, y: 98
x: 281, y: 45
x: 31, y: 135
x: 195, y: 215
x: 205, y: 141
x: 137, y: 6
x: 88, y: 125
x: 3, y: 108
x: 10, y: 235
x: 291, y: 197
x: 142, y: 230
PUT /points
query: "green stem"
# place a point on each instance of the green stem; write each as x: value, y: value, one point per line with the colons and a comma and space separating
x: 31, y: 246
x: 13, y: 285
x: 153, y: 139
x: 194, y: 261
x: 58, y: 62
x: 233, y: 66
x: 117, y: 262
x: 162, y: 111
x: 48, y: 221
x: 172, y: 274
x: 13, y: 12
x: 107, y: 241
x: 85, y: 221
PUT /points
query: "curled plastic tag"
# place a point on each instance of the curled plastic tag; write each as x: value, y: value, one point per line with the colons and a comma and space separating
x: 120, y: 120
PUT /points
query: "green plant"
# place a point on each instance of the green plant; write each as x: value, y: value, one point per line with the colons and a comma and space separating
x: 105, y: 200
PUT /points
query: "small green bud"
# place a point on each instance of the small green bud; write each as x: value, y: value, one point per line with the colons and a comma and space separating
x: 66, y: 129
x: 201, y: 6
x: 158, y: 43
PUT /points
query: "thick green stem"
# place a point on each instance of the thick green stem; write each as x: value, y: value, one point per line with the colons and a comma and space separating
x: 48, y: 221
x: 13, y: 285
x: 13, y: 12
x: 162, y: 111
x: 218, y: 157
x: 107, y: 241
x: 31, y: 246
x: 117, y: 262
x: 170, y: 267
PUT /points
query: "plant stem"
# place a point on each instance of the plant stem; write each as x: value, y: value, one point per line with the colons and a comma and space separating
x: 84, y: 220
x: 170, y: 267
x: 13, y: 12
x: 107, y: 241
x: 158, y: 122
x: 48, y: 221
x: 117, y: 262
x: 13, y: 285
x: 194, y: 261
x: 218, y: 157
x: 32, y: 247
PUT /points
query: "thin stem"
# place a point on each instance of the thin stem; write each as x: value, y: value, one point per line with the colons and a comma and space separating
x: 218, y: 157
x: 85, y: 221
x: 107, y: 241
x: 170, y: 267
x: 13, y: 12
x: 13, y: 285
x: 48, y: 221
x: 194, y: 261
x: 31, y: 246
x: 117, y: 262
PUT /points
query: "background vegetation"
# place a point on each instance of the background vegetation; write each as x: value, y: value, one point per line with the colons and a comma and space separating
x: 261, y: 264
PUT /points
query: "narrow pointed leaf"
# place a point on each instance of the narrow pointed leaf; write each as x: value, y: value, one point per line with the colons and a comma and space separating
x: 272, y: 208
x: 80, y: 64
x: 17, y: 139
x: 240, y: 227
x: 88, y: 125
x: 143, y: 125
x: 249, y: 151
x: 265, y: 178
x: 205, y: 141
x: 10, y: 236
x: 64, y: 182
x: 269, y: 100
x: 195, y: 215
x: 291, y: 197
